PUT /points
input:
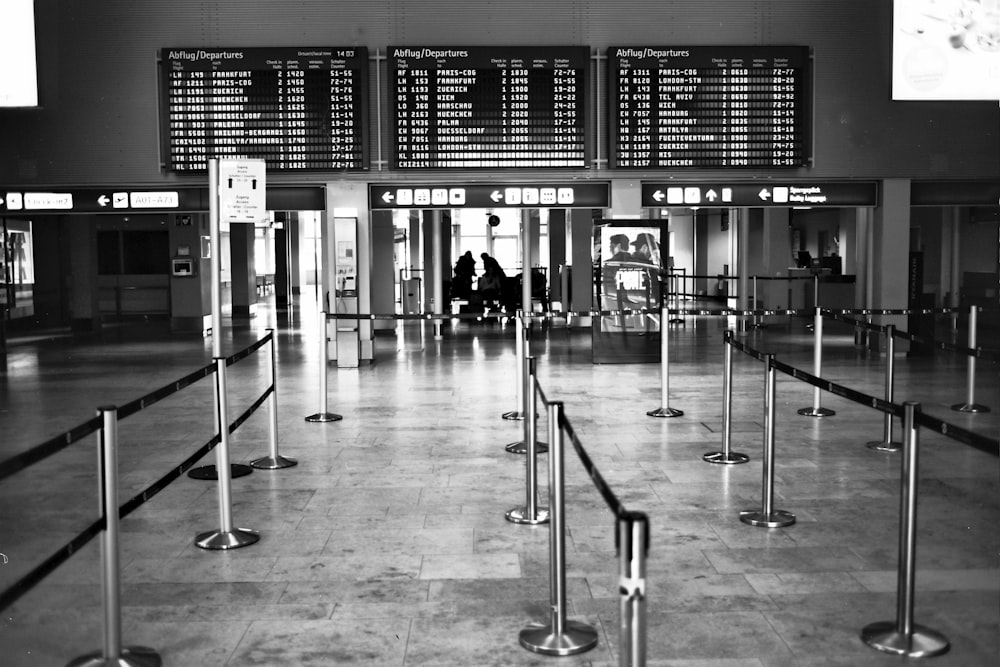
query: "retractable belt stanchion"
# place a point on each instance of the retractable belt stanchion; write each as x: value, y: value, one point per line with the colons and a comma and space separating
x: 727, y: 455
x: 886, y: 444
x: 664, y: 410
x: 323, y: 415
x: 903, y: 636
x: 970, y: 404
x: 226, y: 537
x: 274, y: 460
x: 756, y: 323
x: 113, y: 653
x: 767, y: 516
x: 530, y: 412
x: 520, y: 351
x: 562, y: 636
x: 633, y: 544
x: 816, y: 410
x: 531, y: 513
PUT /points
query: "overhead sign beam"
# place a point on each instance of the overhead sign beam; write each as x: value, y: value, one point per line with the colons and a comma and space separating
x: 759, y: 194
x: 587, y: 194
x: 146, y: 200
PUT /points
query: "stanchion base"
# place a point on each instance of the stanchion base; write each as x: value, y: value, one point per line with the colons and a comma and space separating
x: 324, y: 417
x: 513, y: 415
x: 522, y: 448
x: 577, y: 638
x: 922, y: 643
x: 665, y: 412
x: 520, y: 515
x: 273, y: 463
x: 969, y: 407
x: 222, y: 539
x: 776, y: 519
x: 726, y: 457
x: 130, y: 656
x: 880, y: 446
x: 210, y: 472
x: 816, y: 412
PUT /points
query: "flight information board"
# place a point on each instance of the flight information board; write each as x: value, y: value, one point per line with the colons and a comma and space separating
x: 298, y: 109
x: 710, y: 107
x: 489, y: 107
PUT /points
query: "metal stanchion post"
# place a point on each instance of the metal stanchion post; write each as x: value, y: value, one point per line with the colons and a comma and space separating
x: 816, y: 410
x: 324, y: 361
x: 727, y: 455
x: 107, y: 470
x: 226, y: 537
x: 886, y: 444
x: 274, y: 460
x: 530, y: 414
x: 633, y: 543
x: 562, y: 636
x: 664, y: 410
x: 970, y: 404
x: 767, y: 516
x: 676, y: 298
x: 757, y: 324
x: 531, y: 513
x: 903, y: 636
x: 520, y: 351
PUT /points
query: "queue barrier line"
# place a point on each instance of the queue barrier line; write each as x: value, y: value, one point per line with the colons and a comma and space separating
x: 901, y: 636
x: 977, y: 352
x: 562, y: 636
x: 980, y: 442
x: 32, y: 578
x: 561, y: 314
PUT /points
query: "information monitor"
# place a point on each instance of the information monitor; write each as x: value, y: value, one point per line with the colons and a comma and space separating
x: 724, y: 107
x: 297, y: 108
x: 489, y: 107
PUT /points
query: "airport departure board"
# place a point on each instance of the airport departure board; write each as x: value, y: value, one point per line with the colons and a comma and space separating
x: 489, y: 107
x: 710, y: 107
x: 298, y: 109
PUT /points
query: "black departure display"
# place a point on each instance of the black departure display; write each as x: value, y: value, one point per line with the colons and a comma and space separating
x: 299, y: 109
x: 489, y: 107
x: 709, y: 107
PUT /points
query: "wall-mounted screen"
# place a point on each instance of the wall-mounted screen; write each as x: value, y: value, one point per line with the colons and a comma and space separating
x: 489, y: 107
x: 946, y: 50
x: 722, y: 107
x: 298, y: 109
x: 19, y: 71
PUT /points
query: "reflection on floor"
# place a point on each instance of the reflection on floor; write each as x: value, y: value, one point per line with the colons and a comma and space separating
x: 387, y: 543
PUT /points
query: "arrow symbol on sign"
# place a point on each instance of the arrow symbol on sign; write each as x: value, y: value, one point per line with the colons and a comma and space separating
x: 103, y: 200
x: 710, y: 195
x: 387, y: 197
x: 658, y: 195
x: 496, y: 196
x: 764, y: 194
x: 1, y: 201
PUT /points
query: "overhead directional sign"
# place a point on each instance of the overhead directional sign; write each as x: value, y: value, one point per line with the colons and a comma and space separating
x: 760, y: 194
x: 585, y: 194
x: 146, y: 200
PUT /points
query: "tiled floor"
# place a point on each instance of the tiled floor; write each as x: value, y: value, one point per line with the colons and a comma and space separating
x: 387, y: 544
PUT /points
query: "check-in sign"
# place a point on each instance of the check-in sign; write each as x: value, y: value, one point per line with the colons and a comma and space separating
x: 242, y: 191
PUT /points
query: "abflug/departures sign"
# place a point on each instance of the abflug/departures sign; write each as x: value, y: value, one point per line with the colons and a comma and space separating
x: 298, y: 109
x: 489, y: 107
x: 683, y: 107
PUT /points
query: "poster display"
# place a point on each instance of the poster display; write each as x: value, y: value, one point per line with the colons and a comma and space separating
x: 629, y: 259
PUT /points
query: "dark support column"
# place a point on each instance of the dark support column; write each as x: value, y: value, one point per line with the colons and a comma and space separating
x: 244, y: 274
x: 281, y: 282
